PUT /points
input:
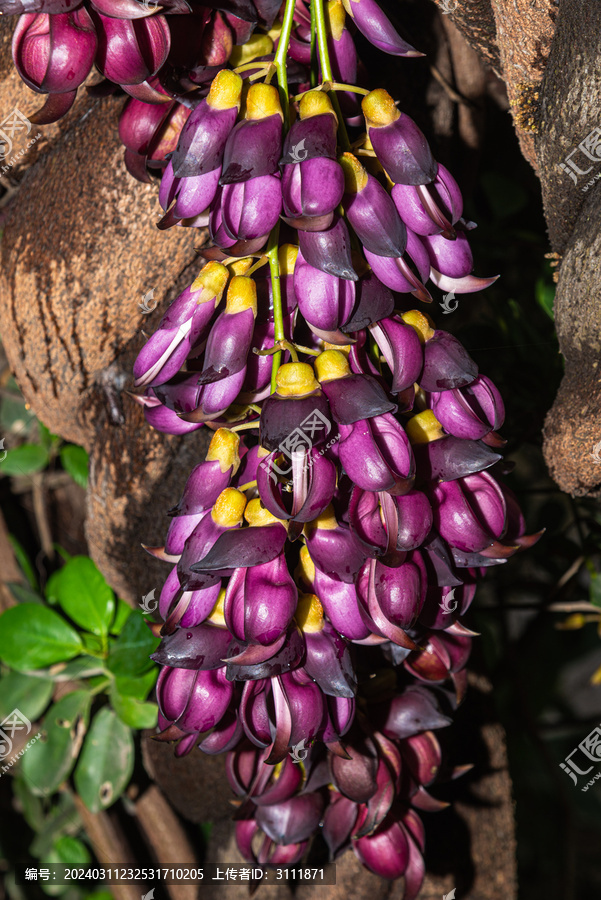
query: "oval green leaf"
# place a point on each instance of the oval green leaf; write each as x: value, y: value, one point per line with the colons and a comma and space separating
x: 82, y: 592
x: 24, y: 460
x: 33, y: 636
x: 47, y: 763
x: 132, y: 712
x: 106, y: 762
x: 26, y: 693
x: 75, y: 461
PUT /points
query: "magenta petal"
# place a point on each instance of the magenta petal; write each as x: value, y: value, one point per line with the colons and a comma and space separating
x: 292, y: 820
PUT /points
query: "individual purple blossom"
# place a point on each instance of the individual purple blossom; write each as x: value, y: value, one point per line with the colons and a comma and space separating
x: 370, y: 210
x: 54, y: 53
x: 254, y: 146
x: 470, y: 412
x: 431, y: 208
x: 181, y: 327
x: 203, y: 138
x: 407, y: 273
x: 251, y: 208
x: 190, y: 702
x: 324, y: 300
x: 377, y: 28
x: 130, y: 51
x: 399, y: 144
x: 312, y: 189
x: 376, y: 455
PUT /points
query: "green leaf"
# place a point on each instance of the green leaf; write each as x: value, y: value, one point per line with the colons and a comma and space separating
x: 26, y: 693
x: 84, y: 595
x: 121, y: 616
x: 25, y: 460
x: 106, y: 762
x: 138, y: 687
x: 47, y: 763
x: 62, y: 818
x: 72, y: 851
x: 134, y: 712
x: 33, y: 636
x: 24, y: 563
x: 75, y: 461
x: 130, y: 653
x: 24, y: 594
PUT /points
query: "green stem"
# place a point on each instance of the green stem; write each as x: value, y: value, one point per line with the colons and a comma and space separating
x: 314, y: 57
x: 280, y: 58
x: 326, y: 70
x: 276, y: 290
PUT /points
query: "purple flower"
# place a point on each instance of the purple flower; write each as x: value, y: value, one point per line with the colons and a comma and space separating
x: 377, y: 28
x: 312, y: 189
x: 370, y: 210
x: 431, y: 208
x: 469, y: 412
x: 251, y: 208
x: 254, y: 146
x: 376, y: 455
x: 202, y: 141
x: 181, y: 327
x: 54, y: 53
x: 131, y: 50
x: 399, y: 144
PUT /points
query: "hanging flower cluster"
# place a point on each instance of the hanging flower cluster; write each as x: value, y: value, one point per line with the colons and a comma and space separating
x: 323, y: 554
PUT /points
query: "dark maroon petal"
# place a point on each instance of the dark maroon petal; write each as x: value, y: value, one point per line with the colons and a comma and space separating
x: 310, y: 138
x: 293, y: 820
x: 374, y: 302
x: 447, y: 364
x: 288, y: 657
x: 329, y: 250
x: 252, y: 149
x: 55, y: 107
x: 450, y: 457
x: 329, y: 662
x: 282, y: 416
x: 356, y: 397
x: 225, y: 736
x: 241, y: 548
x: 201, y: 647
x: 402, y: 351
x: 356, y: 777
x: 411, y: 712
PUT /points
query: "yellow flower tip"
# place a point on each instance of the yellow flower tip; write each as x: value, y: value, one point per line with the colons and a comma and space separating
x: 355, y: 176
x: 305, y: 570
x: 228, y: 509
x: 287, y: 254
x: 296, y: 380
x: 335, y: 18
x: 241, y: 295
x: 421, y: 323
x: 262, y: 452
x: 379, y: 109
x: 224, y: 450
x: 423, y: 428
x: 240, y: 266
x: 225, y: 90
x: 263, y: 100
x: 309, y: 613
x: 326, y: 520
x: 256, y: 514
x: 331, y: 364
x: 217, y: 617
x: 256, y: 45
x: 211, y: 281
x: 315, y: 103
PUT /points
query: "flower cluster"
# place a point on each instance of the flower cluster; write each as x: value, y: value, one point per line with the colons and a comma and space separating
x: 325, y: 551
